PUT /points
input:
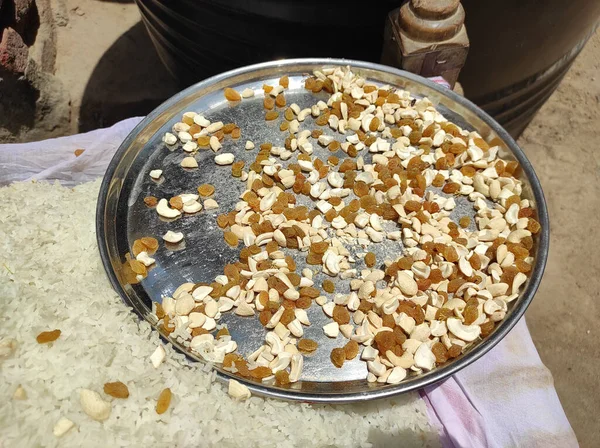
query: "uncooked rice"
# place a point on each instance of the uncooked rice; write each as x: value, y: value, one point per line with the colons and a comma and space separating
x: 51, y: 277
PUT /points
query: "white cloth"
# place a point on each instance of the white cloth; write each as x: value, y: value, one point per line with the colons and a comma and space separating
x: 505, y: 399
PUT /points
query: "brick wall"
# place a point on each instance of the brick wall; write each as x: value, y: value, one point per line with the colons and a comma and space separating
x: 18, y: 24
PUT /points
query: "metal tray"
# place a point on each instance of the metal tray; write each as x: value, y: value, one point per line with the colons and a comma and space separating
x: 122, y: 216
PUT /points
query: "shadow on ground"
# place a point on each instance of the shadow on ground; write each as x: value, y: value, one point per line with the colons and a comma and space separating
x: 129, y: 80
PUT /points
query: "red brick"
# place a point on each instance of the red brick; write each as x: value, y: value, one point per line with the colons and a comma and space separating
x: 13, y: 52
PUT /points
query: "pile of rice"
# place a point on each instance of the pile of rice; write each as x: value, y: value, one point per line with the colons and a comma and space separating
x: 51, y: 277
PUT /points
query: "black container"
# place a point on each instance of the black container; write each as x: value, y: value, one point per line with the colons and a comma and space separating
x: 520, y: 49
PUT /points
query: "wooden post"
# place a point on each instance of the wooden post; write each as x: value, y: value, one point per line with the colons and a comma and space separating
x: 427, y: 37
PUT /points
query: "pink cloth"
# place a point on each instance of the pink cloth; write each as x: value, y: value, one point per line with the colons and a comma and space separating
x: 505, y: 399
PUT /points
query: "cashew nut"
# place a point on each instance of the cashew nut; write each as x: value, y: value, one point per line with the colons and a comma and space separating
x: 189, y: 162
x: 93, y: 405
x: 155, y: 174
x: 424, y: 357
x: 163, y: 209
x: 173, y: 237
x: 62, y: 426
x: 465, y: 332
x: 224, y: 159
x: 238, y: 390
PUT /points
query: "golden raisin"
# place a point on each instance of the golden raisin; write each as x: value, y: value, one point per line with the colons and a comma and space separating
x: 374, y: 124
x: 137, y: 267
x: 265, y: 316
x: 412, y: 206
x: 319, y: 247
x: 351, y: 350
x: 440, y: 352
x: 206, y: 190
x: 525, y: 212
x: 164, y: 401
x: 423, y: 284
x: 314, y: 259
x: 150, y: 201
x: 236, y: 168
x: 341, y: 315
x: 514, y: 199
x: 309, y: 291
x: 307, y: 345
x: 533, y: 226
x: 450, y: 254
x: 328, y: 286
x: 399, y: 336
x: 385, y: 340
x: 228, y: 128
x: 522, y: 266
x: 333, y: 146
x: 280, y: 100
x: 468, y: 170
x: 470, y: 314
x: 203, y: 140
x: 231, y: 238
x: 284, y: 81
x: 150, y: 243
x: 176, y: 202
x: 338, y: 356
x: 48, y: 336
x: 268, y: 103
x: 287, y: 316
x: 454, y: 351
x: 481, y: 143
x: 222, y: 221
x: 361, y: 189
x: 271, y: 115
x: 231, y: 95
x: 282, y: 377
x: 405, y: 263
x: 236, y: 133
x: 464, y: 222
x: 116, y: 389
x: 444, y: 313
x: 414, y: 137
x: 527, y: 242
x: 222, y: 332
x: 333, y: 160
x: 487, y: 328
x: 260, y: 372
x: 438, y: 180
x: 242, y: 367
x: 451, y: 188
x: 453, y: 285
x: 303, y: 303
x: 229, y: 359
x: 370, y: 259
x: 232, y: 272
x: 475, y: 261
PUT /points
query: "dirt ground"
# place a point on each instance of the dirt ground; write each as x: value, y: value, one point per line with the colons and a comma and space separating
x: 560, y: 142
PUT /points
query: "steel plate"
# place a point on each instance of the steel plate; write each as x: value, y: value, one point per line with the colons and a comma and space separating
x: 122, y: 216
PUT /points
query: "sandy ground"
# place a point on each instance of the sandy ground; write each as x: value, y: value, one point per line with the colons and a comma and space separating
x: 561, y: 143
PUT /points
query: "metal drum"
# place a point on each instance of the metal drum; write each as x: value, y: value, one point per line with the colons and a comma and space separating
x: 520, y: 49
